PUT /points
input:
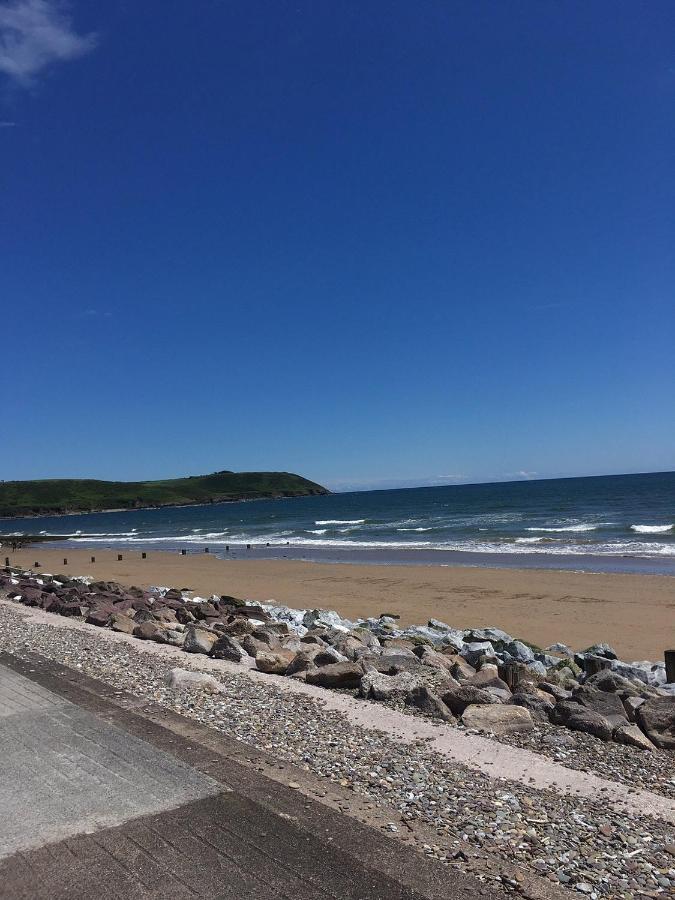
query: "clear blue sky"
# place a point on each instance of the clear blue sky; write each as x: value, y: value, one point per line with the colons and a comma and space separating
x: 380, y: 242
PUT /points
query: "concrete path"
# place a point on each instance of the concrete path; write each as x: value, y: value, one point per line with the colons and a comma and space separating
x: 64, y: 772
x: 101, y: 802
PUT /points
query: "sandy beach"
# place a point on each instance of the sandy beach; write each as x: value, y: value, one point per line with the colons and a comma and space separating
x: 634, y: 613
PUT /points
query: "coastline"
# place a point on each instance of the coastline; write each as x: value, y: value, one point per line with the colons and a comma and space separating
x: 632, y: 612
x: 130, y: 509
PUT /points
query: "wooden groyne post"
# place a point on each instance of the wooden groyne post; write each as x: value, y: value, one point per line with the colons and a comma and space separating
x: 670, y: 666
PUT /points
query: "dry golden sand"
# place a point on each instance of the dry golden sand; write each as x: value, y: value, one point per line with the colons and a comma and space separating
x: 634, y: 613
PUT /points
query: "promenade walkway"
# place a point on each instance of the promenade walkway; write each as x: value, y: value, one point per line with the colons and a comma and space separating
x: 99, y: 801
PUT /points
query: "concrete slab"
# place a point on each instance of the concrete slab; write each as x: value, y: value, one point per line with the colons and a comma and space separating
x: 65, y: 772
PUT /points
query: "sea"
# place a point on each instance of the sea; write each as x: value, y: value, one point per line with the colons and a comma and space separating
x: 597, y: 524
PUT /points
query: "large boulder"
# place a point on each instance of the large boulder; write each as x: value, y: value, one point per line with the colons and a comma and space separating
x: 144, y: 615
x: 488, y: 677
x: 612, y: 683
x: 498, y: 719
x: 303, y: 660
x: 602, y: 702
x: 519, y: 652
x: 314, y: 637
x: 350, y: 647
x: 648, y: 673
x: 174, y: 637
x: 656, y: 718
x: 580, y: 718
x: 99, y: 616
x: 327, y: 656
x: 149, y: 631
x: 268, y: 636
x: 199, y: 640
x: 366, y: 637
x: 253, y: 646
x: 424, y: 699
x: 273, y: 662
x: 337, y: 675
x: 121, y: 622
x: 239, y: 627
x: 33, y: 596
x: 460, y: 669
x: 495, y: 635
x: 631, y: 705
x: 392, y: 661
x: 633, y: 736
x: 165, y: 615
x: 430, y: 657
x: 184, y: 616
x: 538, y: 706
x: 228, y: 647
x: 327, y: 618
x: 377, y: 686
x: 603, y: 650
x: 457, y: 699
x: 475, y: 651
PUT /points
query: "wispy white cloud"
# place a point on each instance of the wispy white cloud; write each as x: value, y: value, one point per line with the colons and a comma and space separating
x: 7, y: 124
x: 35, y: 34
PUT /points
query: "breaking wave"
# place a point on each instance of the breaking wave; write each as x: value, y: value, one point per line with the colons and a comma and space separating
x: 415, y: 529
x: 571, y: 528
x: 652, y: 529
x: 339, y: 521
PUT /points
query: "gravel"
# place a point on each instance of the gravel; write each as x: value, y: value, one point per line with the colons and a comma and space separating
x: 636, y: 768
x: 582, y: 845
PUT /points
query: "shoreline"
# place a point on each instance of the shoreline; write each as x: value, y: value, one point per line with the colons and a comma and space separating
x: 127, y: 509
x: 371, y: 556
x: 634, y: 613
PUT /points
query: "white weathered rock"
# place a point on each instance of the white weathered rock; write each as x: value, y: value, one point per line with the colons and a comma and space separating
x: 388, y: 687
x: 182, y: 679
x: 498, y: 719
x: 486, y: 634
x: 537, y: 668
x: 314, y: 618
x: 473, y: 651
x: 292, y: 617
x: 520, y: 652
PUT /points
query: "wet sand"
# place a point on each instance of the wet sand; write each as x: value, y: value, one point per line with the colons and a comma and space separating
x: 633, y: 613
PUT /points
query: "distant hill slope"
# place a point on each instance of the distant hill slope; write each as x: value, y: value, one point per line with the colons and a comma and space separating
x: 64, y: 495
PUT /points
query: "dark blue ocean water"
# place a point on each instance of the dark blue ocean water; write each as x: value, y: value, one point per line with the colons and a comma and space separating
x: 624, y: 522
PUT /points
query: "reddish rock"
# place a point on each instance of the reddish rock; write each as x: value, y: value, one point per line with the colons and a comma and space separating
x: 99, y: 616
